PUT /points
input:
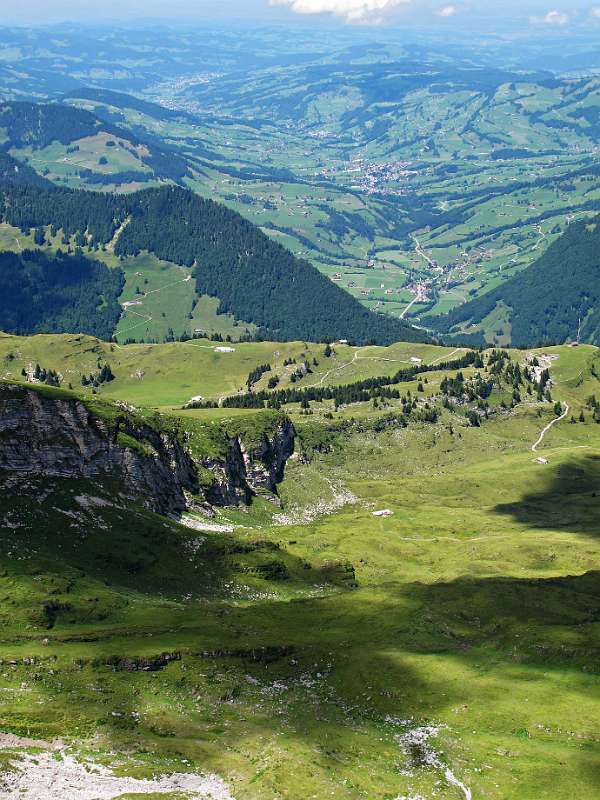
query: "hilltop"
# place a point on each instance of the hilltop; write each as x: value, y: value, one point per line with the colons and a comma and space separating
x: 167, y: 376
x: 73, y: 145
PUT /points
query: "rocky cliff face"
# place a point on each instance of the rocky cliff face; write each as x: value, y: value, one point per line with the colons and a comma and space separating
x: 60, y: 438
x: 251, y: 469
x: 54, y: 437
x: 265, y: 462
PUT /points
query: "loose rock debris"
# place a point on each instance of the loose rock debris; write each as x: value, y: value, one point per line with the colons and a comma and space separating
x: 44, y: 775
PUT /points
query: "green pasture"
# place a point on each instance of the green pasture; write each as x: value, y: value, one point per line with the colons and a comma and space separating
x: 475, y: 609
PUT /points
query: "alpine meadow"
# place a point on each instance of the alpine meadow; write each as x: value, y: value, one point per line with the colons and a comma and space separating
x: 300, y: 400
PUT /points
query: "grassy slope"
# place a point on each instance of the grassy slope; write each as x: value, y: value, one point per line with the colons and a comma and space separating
x: 473, y: 611
x: 167, y: 293
x: 173, y: 373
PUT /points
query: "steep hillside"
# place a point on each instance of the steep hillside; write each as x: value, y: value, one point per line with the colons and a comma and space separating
x: 13, y: 171
x: 254, y: 278
x: 39, y: 294
x: 168, y: 466
x: 556, y: 299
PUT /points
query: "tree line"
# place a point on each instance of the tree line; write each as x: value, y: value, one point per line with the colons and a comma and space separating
x: 346, y: 394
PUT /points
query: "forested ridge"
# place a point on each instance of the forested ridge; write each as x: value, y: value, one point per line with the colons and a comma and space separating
x: 122, y: 100
x: 549, y: 300
x: 255, y: 278
x: 68, y: 293
x: 37, y: 125
x: 17, y: 173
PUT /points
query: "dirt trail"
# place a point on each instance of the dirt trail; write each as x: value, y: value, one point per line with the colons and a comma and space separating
x: 542, y: 236
x: 445, y: 357
x: 147, y: 318
x: 113, y: 242
x: 419, y: 250
x: 145, y: 321
x: 535, y: 446
x: 187, y: 279
x: 358, y: 357
x: 337, y: 369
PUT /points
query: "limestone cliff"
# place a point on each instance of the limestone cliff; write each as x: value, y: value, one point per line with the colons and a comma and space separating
x: 51, y: 434
x: 251, y: 467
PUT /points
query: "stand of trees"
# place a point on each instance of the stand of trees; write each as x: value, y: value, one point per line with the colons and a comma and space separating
x: 357, y: 392
x: 38, y: 125
x: 39, y: 294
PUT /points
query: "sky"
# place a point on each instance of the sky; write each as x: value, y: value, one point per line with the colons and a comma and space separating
x: 549, y: 14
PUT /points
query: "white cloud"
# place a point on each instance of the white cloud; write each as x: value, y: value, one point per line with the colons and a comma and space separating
x: 552, y: 18
x: 447, y: 11
x: 358, y: 11
x: 595, y: 12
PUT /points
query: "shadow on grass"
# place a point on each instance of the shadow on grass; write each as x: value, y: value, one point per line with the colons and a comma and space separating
x: 83, y: 555
x: 372, y: 647
x: 569, y: 500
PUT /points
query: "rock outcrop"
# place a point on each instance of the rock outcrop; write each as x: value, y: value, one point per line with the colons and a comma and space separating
x: 251, y: 469
x: 42, y: 435
x: 60, y: 438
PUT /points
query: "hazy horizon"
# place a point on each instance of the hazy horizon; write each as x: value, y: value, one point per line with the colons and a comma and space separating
x: 534, y: 14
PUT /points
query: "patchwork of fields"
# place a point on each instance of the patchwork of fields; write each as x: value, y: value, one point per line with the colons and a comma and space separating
x: 416, y: 182
x: 444, y: 197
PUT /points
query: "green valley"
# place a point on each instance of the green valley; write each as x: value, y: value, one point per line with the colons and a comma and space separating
x: 413, y: 184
